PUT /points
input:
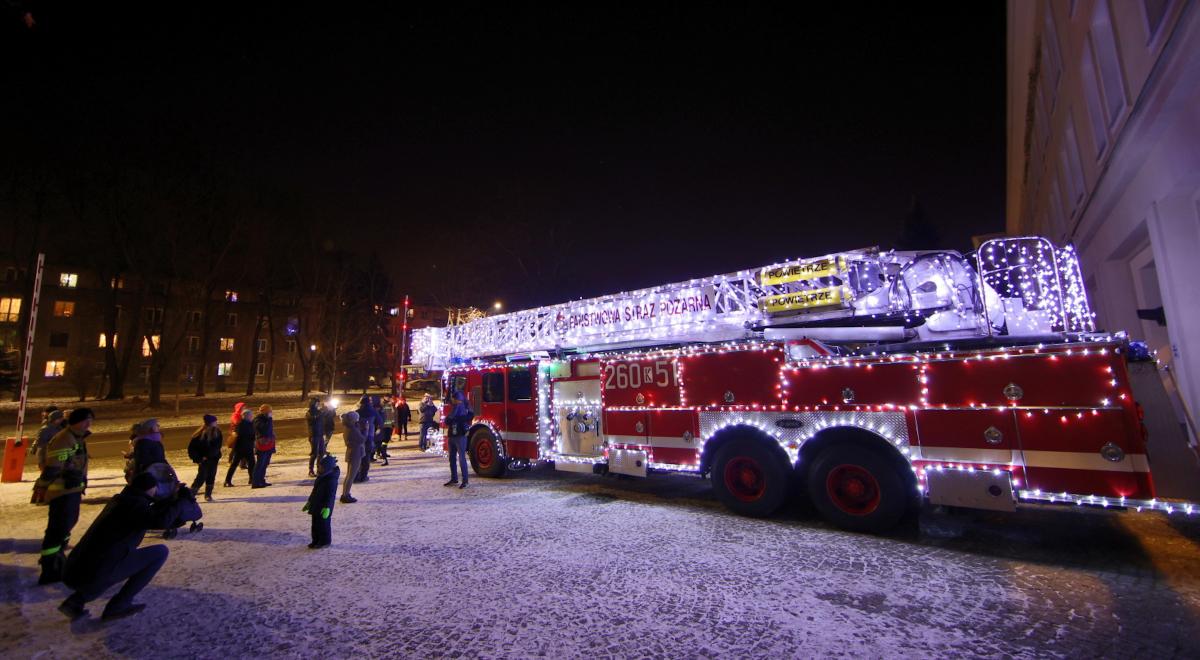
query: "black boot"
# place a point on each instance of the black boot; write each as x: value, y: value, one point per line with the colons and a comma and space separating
x: 52, y: 568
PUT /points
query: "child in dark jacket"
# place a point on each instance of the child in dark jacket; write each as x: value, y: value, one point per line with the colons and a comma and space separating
x: 320, y: 502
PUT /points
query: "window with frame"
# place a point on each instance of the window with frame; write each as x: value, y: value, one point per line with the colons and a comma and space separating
x: 231, y: 319
x: 290, y: 369
x: 55, y: 368
x: 11, y: 275
x: 231, y: 295
x: 117, y: 282
x: 154, y: 315
x: 10, y: 310
x: 226, y: 343
x: 520, y: 385
x: 291, y: 346
x: 150, y: 345
x: 104, y: 340
x: 64, y: 308
x: 58, y: 339
x: 493, y: 387
x: 68, y: 280
x: 1108, y: 63
x: 144, y: 374
x: 262, y: 345
x: 193, y: 344
x: 224, y: 368
x: 195, y: 318
x: 260, y: 369
x: 189, y: 371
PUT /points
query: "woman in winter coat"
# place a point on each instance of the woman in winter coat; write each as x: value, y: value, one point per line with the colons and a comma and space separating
x: 205, y: 450
x: 243, y: 448
x: 403, y: 415
x: 355, y: 452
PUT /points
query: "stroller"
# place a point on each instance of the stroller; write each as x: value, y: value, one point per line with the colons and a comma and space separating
x: 189, y: 510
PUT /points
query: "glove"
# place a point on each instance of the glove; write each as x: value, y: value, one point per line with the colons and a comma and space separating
x: 325, y: 513
x: 305, y: 509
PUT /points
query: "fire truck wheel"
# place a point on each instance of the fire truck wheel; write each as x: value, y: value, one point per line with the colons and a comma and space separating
x: 486, y: 457
x: 749, y: 479
x: 857, y: 489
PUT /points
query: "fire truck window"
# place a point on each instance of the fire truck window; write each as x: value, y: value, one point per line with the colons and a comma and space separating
x: 493, y: 387
x: 520, y: 385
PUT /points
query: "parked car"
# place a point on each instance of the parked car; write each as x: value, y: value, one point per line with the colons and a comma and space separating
x: 415, y: 389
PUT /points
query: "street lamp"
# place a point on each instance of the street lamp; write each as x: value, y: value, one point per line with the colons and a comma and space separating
x: 312, y: 347
x: 497, y: 305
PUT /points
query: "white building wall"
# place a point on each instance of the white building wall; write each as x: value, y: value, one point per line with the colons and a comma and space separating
x: 1104, y: 151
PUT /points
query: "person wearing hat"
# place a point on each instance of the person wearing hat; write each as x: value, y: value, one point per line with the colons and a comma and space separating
x: 243, y: 448
x: 321, y: 500
x: 108, y: 553
x: 147, y: 447
x: 428, y: 419
x: 205, y: 450
x: 64, y: 464
x: 264, y: 445
x: 53, y: 423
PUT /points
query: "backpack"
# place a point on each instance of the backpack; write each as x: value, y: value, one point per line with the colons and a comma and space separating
x: 197, y: 448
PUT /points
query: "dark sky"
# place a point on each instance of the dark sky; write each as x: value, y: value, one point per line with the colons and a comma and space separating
x: 557, y: 152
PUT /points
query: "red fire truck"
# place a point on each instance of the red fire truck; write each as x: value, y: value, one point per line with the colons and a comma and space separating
x: 867, y: 381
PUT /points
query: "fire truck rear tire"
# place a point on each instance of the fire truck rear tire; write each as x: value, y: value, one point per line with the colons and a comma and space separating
x: 486, y: 458
x: 750, y: 479
x: 857, y: 489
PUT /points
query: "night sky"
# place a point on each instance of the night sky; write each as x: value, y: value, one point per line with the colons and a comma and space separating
x: 534, y: 155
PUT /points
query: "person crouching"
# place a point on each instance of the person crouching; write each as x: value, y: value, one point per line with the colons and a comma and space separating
x: 321, y: 500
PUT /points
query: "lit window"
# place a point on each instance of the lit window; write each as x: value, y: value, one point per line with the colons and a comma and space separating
x: 68, y: 280
x: 225, y: 369
x: 395, y: 311
x: 104, y: 340
x: 262, y: 345
x: 64, y: 308
x: 227, y: 343
x: 231, y: 295
x: 55, y: 368
x: 260, y: 369
x: 10, y: 309
x: 147, y: 348
x: 117, y: 282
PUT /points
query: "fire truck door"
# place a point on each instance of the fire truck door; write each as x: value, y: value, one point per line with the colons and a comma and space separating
x: 970, y: 457
x: 520, y: 424
x: 1084, y: 452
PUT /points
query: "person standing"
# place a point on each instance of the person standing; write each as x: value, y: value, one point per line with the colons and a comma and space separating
x: 355, y: 452
x: 243, y: 448
x: 147, y: 448
x: 205, y: 450
x: 457, y: 424
x: 321, y: 500
x: 368, y: 424
x: 403, y: 415
x: 314, y: 420
x: 428, y: 412
x: 329, y: 419
x: 108, y: 553
x: 53, y: 424
x: 64, y: 465
x: 264, y: 445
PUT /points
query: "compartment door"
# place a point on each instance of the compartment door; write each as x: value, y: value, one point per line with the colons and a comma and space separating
x: 1083, y: 452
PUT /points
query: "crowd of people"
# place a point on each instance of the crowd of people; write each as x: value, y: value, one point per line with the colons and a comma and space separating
x: 154, y: 498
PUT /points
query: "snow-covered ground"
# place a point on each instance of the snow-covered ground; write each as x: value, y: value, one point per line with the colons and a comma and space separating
x: 545, y: 564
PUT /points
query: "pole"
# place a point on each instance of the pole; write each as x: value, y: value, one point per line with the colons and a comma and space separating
x: 33, y: 312
x: 403, y: 345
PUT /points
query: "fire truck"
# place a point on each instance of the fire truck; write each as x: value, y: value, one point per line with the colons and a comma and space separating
x: 868, y: 381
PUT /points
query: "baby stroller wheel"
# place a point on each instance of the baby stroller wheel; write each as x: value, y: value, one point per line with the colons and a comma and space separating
x: 169, y: 534
x: 196, y: 526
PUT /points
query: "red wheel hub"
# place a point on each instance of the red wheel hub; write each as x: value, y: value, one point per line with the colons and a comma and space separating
x: 744, y: 479
x: 853, y: 489
x: 483, y: 453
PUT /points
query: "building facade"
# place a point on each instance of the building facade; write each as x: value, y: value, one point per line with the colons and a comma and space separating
x: 1104, y: 152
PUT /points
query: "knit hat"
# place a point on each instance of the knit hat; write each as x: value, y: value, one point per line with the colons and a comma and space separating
x: 54, y: 415
x: 148, y: 424
x: 79, y: 414
x: 264, y: 409
x: 327, y: 464
x: 209, y: 419
x: 350, y: 417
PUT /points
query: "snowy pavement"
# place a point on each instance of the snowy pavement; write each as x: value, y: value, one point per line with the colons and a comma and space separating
x: 545, y: 564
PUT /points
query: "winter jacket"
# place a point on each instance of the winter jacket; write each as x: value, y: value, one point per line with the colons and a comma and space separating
x: 244, y: 441
x: 147, y: 450
x: 327, y: 421
x: 206, y: 444
x: 403, y: 413
x: 314, y: 420
x: 45, y: 435
x: 117, y: 531
x: 264, y: 433
x: 324, y: 492
x: 355, y: 442
x: 428, y: 410
x: 459, y: 419
x: 64, y: 470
